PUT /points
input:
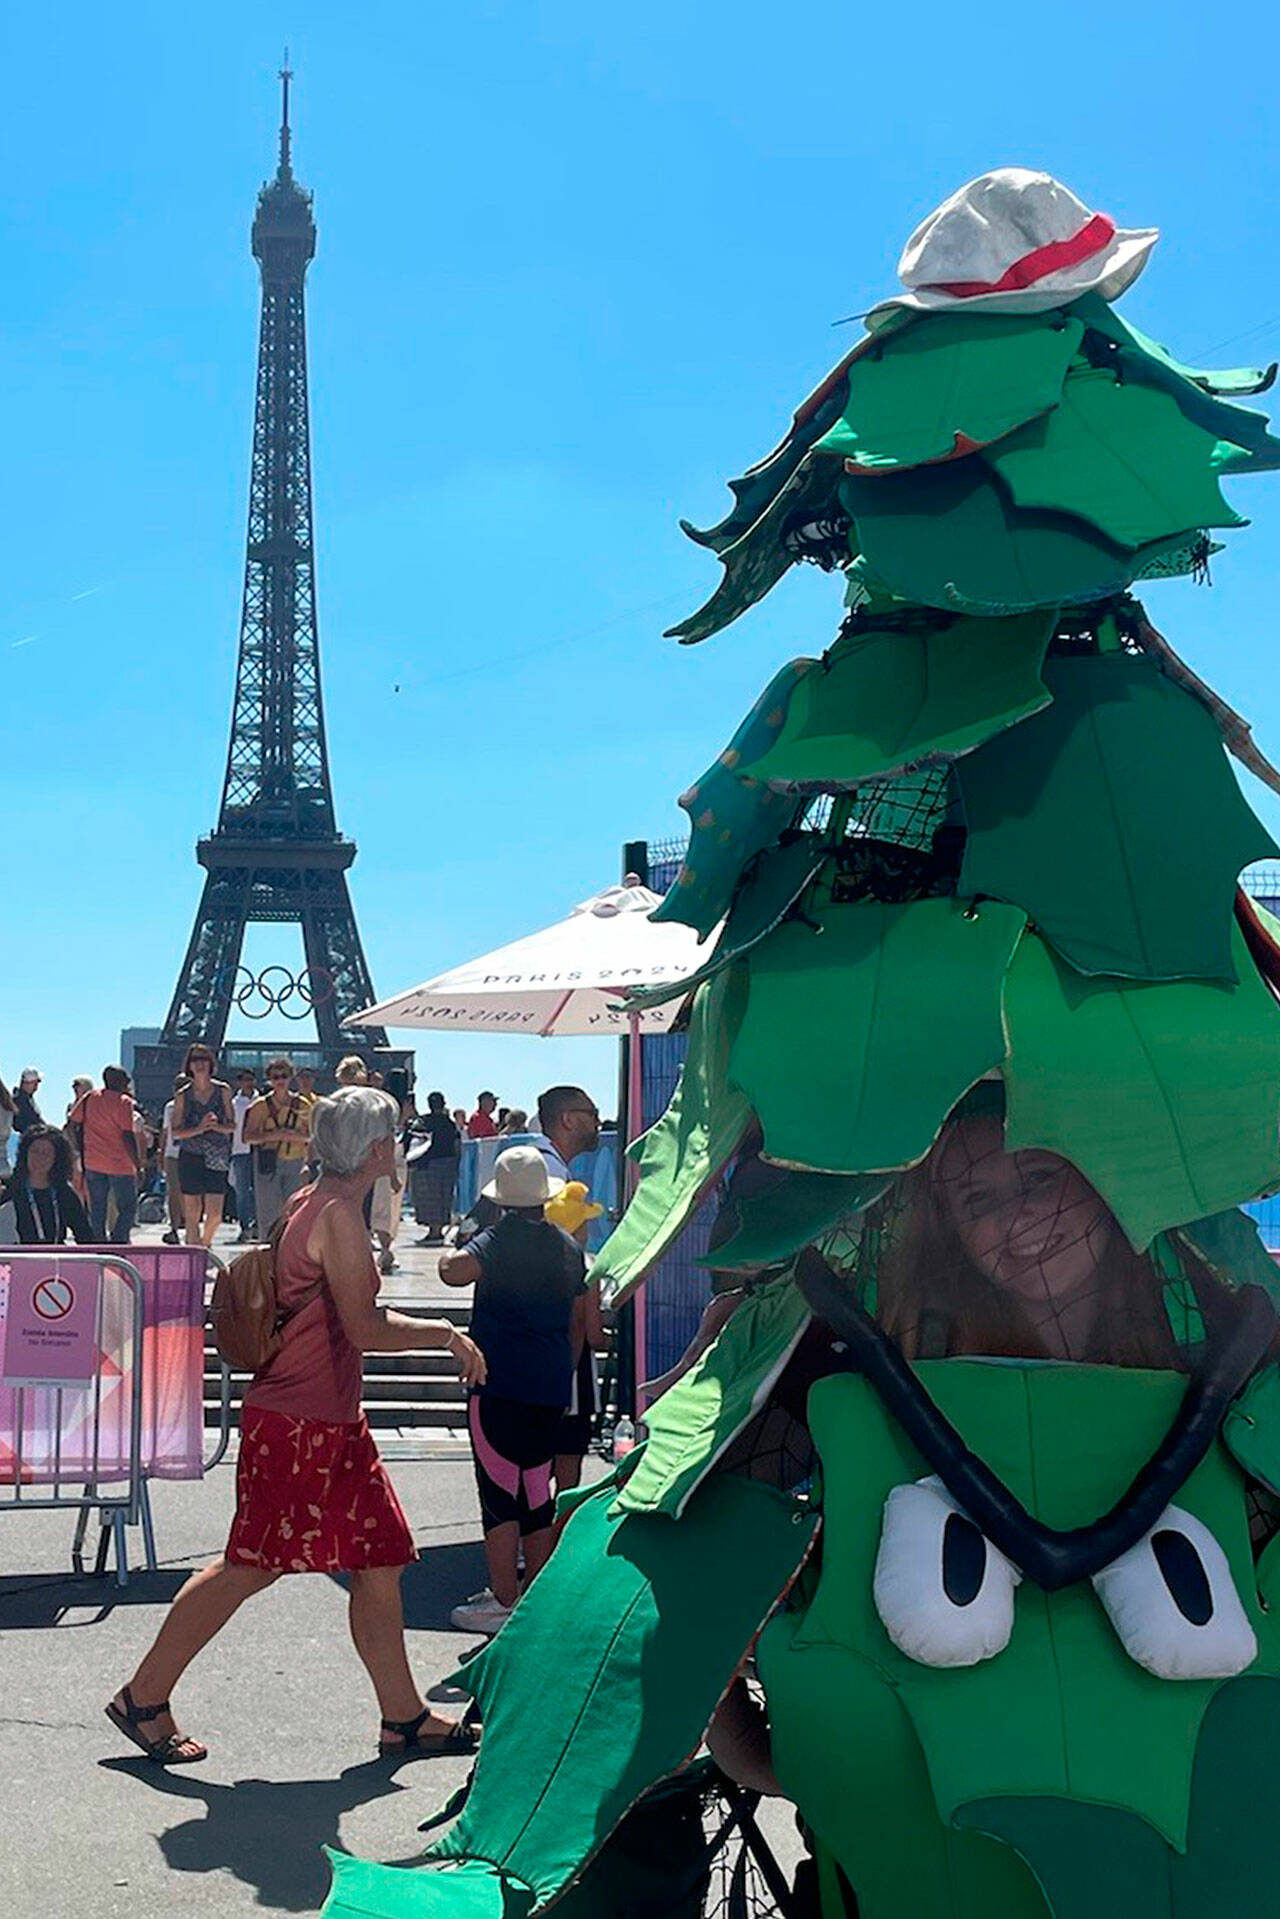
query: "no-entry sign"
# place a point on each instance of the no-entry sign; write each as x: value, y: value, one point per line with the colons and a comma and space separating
x: 48, y: 1321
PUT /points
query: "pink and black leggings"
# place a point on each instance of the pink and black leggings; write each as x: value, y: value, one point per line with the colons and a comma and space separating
x: 513, y: 1444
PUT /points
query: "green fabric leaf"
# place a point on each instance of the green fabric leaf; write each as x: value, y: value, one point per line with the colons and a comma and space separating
x: 1220, y: 383
x: 761, y: 484
x: 473, y: 1890
x: 732, y: 818
x: 949, y: 536
x: 606, y: 1675
x: 755, y: 563
x: 774, y: 883
x: 792, y: 1214
x: 1120, y: 456
x: 1095, y: 1862
x: 1071, y: 816
x: 1253, y: 449
x: 695, y: 1138
x: 1191, y: 1074
x: 949, y: 384
x: 883, y: 701
x: 694, y: 1421
x: 860, y: 1037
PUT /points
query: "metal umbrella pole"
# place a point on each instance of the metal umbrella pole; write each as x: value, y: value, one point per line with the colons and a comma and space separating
x: 635, y: 1126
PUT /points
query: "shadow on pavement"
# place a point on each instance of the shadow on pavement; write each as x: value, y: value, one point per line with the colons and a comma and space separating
x: 267, y: 1834
x: 439, y: 1581
x: 34, y: 1601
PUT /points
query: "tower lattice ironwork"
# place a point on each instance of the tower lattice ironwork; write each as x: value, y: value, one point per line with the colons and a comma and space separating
x: 276, y: 853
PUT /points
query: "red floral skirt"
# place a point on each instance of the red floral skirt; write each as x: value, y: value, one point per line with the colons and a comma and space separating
x: 312, y: 1497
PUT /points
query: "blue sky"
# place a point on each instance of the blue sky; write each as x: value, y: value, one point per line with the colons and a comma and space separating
x: 576, y: 265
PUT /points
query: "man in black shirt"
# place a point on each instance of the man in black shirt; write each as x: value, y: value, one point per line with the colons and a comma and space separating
x: 26, y: 1113
x: 432, y: 1148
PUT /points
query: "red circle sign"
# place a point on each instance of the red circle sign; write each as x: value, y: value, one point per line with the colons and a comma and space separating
x: 53, y: 1298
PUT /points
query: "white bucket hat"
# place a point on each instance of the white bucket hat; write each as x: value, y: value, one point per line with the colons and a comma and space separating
x: 520, y: 1178
x: 1014, y: 241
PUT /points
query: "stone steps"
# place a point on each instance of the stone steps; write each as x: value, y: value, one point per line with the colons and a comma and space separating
x: 402, y: 1390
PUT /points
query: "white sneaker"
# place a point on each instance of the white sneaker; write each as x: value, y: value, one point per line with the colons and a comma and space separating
x: 481, y: 1613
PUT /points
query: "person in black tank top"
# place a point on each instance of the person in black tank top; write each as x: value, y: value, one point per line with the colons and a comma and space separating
x: 203, y: 1123
x: 433, y: 1149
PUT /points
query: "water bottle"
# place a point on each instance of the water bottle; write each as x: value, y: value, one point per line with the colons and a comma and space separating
x: 624, y: 1438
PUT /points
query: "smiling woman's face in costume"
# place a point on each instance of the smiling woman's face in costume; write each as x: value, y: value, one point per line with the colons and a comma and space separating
x: 1029, y: 1221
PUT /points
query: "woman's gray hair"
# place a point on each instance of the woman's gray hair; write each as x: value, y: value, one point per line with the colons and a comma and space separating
x: 346, y: 1125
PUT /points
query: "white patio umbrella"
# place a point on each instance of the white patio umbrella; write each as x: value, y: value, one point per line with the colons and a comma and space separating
x: 564, y: 980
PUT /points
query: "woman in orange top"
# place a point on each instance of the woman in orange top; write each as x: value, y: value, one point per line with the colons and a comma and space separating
x: 106, y: 1127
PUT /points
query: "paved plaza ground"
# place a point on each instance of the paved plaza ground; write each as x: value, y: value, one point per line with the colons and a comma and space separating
x: 279, y: 1697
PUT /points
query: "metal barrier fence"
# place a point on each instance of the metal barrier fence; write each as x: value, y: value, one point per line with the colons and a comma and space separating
x: 81, y: 1434
x: 93, y: 1445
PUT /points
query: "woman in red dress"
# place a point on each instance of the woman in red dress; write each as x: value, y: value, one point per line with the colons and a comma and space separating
x: 312, y: 1495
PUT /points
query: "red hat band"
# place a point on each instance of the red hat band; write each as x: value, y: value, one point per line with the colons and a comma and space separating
x: 1056, y: 257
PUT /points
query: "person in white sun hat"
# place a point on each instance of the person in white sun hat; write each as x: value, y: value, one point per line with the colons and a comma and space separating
x: 1014, y: 241
x: 529, y: 1319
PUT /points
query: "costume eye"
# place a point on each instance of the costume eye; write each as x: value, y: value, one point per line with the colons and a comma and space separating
x: 1174, y: 1605
x: 943, y: 1592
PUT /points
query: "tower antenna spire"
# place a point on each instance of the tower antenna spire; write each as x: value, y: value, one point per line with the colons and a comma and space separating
x: 286, y: 75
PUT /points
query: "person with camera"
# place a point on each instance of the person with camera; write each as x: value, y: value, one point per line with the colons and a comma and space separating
x: 277, y: 1130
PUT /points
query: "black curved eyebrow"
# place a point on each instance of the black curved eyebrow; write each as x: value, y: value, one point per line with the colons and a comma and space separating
x: 1052, y: 1558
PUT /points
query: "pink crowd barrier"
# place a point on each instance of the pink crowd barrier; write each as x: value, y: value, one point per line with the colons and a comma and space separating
x: 60, y: 1440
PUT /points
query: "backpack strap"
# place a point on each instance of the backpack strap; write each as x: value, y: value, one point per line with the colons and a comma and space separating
x: 276, y: 1235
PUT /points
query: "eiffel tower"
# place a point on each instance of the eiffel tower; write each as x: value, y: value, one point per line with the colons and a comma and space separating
x: 276, y: 853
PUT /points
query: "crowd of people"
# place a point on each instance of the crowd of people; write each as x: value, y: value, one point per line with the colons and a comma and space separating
x: 223, y: 1150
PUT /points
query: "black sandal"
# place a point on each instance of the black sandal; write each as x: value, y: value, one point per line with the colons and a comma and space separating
x: 164, y: 1752
x: 461, y: 1736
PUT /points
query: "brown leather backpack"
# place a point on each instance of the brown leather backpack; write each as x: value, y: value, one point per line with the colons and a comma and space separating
x: 247, y: 1319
